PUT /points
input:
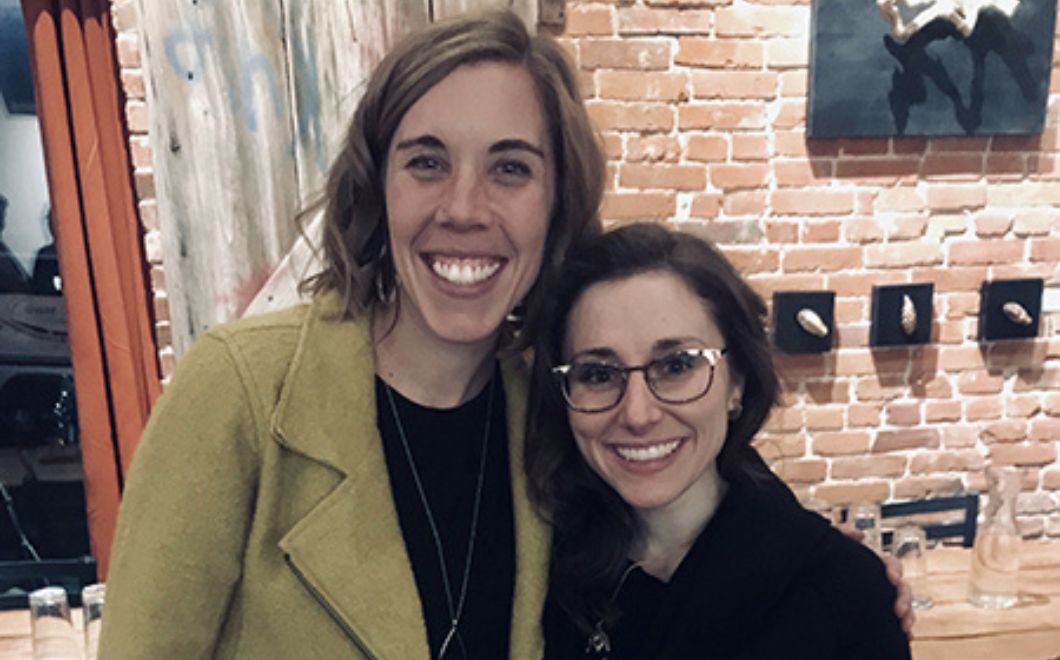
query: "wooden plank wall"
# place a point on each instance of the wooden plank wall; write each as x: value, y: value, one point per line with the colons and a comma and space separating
x: 249, y: 100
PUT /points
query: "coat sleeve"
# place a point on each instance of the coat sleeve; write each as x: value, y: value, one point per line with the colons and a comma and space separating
x: 185, y: 512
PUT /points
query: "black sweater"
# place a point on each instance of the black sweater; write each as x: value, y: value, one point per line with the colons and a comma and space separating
x: 766, y: 579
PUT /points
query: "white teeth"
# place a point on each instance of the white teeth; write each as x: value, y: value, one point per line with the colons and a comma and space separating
x: 465, y: 272
x: 648, y: 453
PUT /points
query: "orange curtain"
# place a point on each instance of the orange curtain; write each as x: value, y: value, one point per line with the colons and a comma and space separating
x: 98, y: 239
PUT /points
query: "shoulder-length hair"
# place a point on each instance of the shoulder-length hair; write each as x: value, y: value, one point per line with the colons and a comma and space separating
x: 593, y: 527
x: 357, y: 262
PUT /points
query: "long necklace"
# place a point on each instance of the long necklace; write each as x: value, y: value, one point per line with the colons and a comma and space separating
x: 600, y: 641
x: 455, y: 610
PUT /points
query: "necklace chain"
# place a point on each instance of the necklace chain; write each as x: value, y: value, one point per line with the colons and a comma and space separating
x: 455, y: 612
x: 599, y: 640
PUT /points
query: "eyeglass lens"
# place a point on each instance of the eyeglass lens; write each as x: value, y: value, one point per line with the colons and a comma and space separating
x: 678, y: 377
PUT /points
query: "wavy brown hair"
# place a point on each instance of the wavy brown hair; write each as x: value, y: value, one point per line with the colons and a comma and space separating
x: 356, y: 257
x: 593, y: 527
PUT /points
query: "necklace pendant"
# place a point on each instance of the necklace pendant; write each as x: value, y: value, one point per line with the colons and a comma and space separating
x: 599, y: 642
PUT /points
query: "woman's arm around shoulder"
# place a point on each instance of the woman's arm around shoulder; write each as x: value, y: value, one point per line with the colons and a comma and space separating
x: 185, y: 511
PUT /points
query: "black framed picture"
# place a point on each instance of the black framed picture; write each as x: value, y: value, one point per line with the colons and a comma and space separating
x: 917, y: 73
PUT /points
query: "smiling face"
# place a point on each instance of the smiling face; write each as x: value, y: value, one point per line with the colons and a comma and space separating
x: 469, y: 191
x: 653, y: 454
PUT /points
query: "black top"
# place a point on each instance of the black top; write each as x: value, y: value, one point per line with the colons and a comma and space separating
x: 765, y: 579
x: 446, y: 446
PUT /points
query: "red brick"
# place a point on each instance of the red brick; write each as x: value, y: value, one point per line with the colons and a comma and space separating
x: 960, y: 305
x: 670, y: 177
x: 959, y: 143
x: 639, y: 54
x: 900, y: 199
x: 1045, y: 430
x: 956, y: 437
x: 883, y: 171
x: 762, y: 21
x: 132, y: 84
x: 734, y: 85
x: 612, y: 144
x: 1005, y: 166
x: 1017, y: 143
x: 652, y: 149
x: 719, y: 53
x: 792, y: 114
x: 779, y: 231
x: 796, y: 144
x: 821, y: 259
x: 636, y: 206
x: 787, y: 53
x: 903, y: 255
x: 1051, y: 405
x: 1023, y: 454
x: 802, y: 471
x: 631, y: 116
x: 136, y: 117
x: 1023, y: 194
x: 862, y: 415
x: 745, y: 202
x: 643, y: 20
x: 831, y: 391
x: 953, y: 167
x: 859, y: 467
x: 848, y: 492
x: 753, y: 260
x: 952, y: 278
x: 812, y: 202
x: 942, y: 411
x: 966, y: 253
x: 872, y: 389
x: 947, y: 461
x: 735, y: 177
x: 801, y: 172
x: 1046, y: 378
x: 979, y: 382
x: 820, y: 419
x: 705, y: 205
x: 961, y: 358
x: 1008, y: 430
x: 707, y: 148
x: 903, y: 414
x: 863, y: 230
x: 1046, y: 249
x: 907, y: 229
x: 124, y: 16
x: 887, y: 441
x: 1023, y: 406
x: 642, y: 85
x: 793, y: 83
x: 840, y: 443
x: 916, y: 488
x: 584, y: 20
x: 956, y: 198
x: 728, y: 232
x: 861, y: 283
x: 127, y: 50
x: 787, y: 445
x: 1033, y: 223
x: 824, y: 231
x: 721, y: 116
x: 750, y: 146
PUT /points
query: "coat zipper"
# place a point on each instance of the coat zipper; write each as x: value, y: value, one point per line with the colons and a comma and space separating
x: 328, y: 608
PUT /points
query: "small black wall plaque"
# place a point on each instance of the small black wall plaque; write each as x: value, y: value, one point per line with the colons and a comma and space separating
x: 1010, y: 309
x: 794, y: 335
x: 901, y: 314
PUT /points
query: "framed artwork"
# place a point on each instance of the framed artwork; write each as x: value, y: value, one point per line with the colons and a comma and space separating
x: 929, y: 67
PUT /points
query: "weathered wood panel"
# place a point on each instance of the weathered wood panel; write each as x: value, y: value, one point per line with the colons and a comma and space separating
x: 526, y: 9
x: 221, y: 126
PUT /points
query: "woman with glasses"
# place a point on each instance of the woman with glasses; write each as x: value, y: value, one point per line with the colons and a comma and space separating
x: 672, y: 539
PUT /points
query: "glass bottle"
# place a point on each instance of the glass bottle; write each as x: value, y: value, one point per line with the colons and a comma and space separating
x: 996, y: 555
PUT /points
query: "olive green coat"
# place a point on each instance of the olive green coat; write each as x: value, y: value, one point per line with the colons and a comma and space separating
x: 257, y: 521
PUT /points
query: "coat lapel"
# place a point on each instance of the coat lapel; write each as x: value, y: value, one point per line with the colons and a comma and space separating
x: 349, y: 549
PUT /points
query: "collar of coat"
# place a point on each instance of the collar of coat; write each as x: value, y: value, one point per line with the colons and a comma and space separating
x: 349, y: 548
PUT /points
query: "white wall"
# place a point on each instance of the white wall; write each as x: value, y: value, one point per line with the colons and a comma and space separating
x: 24, y: 183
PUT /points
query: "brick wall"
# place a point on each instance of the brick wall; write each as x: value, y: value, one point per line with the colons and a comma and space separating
x: 702, y: 107
x: 125, y: 19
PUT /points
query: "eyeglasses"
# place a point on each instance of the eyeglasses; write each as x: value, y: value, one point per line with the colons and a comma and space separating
x: 591, y: 385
